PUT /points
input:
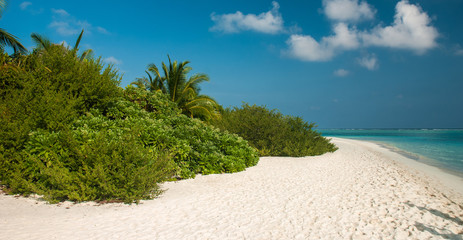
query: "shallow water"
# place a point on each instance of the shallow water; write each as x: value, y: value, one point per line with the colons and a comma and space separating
x: 442, y: 148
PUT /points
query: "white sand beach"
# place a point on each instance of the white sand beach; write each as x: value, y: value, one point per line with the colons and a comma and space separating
x: 361, y: 191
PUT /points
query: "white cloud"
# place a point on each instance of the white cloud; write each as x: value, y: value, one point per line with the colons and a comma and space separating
x: 369, y: 62
x: 269, y: 22
x: 306, y: 48
x: 341, y: 72
x: 27, y: 6
x: 24, y: 5
x: 113, y: 60
x: 348, y: 10
x: 67, y: 25
x: 343, y: 37
x: 411, y: 30
x: 61, y: 12
x: 64, y: 28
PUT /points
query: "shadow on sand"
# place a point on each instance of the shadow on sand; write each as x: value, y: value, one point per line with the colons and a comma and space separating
x: 444, y: 233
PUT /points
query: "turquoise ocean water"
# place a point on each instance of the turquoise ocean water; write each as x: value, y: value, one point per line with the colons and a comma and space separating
x: 441, y: 148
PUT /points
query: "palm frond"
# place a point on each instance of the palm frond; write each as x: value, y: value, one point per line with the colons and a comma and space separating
x: 2, y: 7
x: 154, y: 69
x: 7, y: 39
x: 86, y: 54
x: 41, y: 41
x: 76, y: 46
x: 140, y: 82
x: 195, y: 80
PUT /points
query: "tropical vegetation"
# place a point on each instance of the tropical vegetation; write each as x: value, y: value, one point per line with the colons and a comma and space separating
x: 273, y: 133
x: 181, y: 89
x: 68, y: 131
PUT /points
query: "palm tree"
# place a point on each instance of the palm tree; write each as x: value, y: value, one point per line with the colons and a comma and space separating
x: 154, y: 81
x: 181, y: 89
x: 7, y: 39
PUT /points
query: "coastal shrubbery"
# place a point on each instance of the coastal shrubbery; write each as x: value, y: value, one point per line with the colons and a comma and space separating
x: 68, y: 132
x: 273, y: 133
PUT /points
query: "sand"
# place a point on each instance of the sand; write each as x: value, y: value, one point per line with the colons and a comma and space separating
x: 361, y: 191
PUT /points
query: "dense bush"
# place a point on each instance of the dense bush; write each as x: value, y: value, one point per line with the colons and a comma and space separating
x: 80, y: 166
x: 42, y: 97
x: 274, y: 134
x: 68, y: 132
x: 48, y: 90
x: 196, y: 146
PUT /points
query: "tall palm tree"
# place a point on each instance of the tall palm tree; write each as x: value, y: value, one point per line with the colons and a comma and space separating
x: 7, y: 39
x: 181, y: 89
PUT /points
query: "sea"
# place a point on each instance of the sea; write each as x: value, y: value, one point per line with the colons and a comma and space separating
x: 442, y: 148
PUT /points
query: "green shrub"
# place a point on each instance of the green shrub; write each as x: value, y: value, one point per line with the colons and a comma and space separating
x: 68, y: 132
x: 274, y: 134
x: 43, y: 96
x: 48, y: 90
x: 71, y: 165
x: 196, y: 147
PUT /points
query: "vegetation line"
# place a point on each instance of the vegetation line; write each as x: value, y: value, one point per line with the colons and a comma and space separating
x: 68, y: 131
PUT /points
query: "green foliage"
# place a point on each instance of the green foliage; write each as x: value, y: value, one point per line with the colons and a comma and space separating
x: 274, y: 134
x: 68, y: 132
x: 47, y: 91
x: 181, y: 89
x: 80, y: 166
x: 195, y: 146
x: 44, y: 97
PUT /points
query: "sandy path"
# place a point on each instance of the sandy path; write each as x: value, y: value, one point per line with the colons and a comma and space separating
x: 357, y: 192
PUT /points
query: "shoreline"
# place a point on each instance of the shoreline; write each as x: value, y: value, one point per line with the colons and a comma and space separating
x: 415, y: 157
x: 450, y: 180
x: 361, y: 191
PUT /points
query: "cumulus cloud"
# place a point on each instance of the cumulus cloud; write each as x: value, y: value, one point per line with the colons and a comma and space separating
x: 411, y: 30
x: 67, y: 25
x: 306, y: 48
x: 113, y: 60
x: 341, y: 72
x: 369, y: 62
x: 269, y: 22
x: 348, y: 10
x: 24, y: 5
x: 343, y: 38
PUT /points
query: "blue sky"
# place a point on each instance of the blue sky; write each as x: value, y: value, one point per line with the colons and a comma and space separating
x: 339, y: 63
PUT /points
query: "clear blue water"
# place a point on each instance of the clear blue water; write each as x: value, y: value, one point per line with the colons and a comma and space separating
x: 442, y: 148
